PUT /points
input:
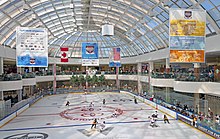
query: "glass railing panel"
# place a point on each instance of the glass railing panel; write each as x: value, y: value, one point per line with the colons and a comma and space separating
x: 11, y: 77
x: 28, y: 75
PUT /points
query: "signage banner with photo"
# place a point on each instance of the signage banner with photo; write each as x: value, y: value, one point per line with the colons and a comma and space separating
x: 31, y: 47
x: 187, y: 32
x: 115, y: 57
x: 90, y: 54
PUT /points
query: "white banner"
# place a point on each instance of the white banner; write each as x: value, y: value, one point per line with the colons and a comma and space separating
x: 31, y: 47
x: 90, y: 62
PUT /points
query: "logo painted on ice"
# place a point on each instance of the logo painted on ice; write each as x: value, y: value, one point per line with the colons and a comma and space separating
x: 30, y: 135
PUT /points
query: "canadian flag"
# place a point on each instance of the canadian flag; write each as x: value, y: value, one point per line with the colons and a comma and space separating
x: 64, y: 54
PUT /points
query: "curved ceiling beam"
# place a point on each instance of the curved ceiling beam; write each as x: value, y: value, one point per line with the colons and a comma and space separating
x: 56, y: 11
x: 65, y: 8
x: 60, y: 29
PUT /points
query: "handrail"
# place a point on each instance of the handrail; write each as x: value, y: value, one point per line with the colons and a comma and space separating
x: 9, y: 110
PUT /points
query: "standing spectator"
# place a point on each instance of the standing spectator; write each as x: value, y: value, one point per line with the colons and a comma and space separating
x: 194, y: 121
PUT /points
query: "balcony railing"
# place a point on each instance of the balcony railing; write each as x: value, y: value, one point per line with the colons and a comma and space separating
x: 11, y: 77
x: 191, y: 77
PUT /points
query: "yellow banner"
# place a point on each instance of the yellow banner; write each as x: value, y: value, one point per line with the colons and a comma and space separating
x: 187, y: 28
x: 187, y: 56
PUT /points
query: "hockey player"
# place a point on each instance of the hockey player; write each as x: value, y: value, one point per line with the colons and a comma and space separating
x: 94, y: 123
x: 102, y: 126
x: 165, y: 119
x: 67, y: 103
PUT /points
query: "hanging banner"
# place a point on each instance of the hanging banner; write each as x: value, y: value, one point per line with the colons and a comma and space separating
x: 115, y: 57
x: 31, y: 47
x: 90, y: 54
x: 64, y: 54
x: 187, y: 36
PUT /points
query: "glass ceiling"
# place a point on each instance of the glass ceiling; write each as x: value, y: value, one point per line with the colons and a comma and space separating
x: 141, y: 26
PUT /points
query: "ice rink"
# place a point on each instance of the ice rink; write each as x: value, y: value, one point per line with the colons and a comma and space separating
x: 49, y: 118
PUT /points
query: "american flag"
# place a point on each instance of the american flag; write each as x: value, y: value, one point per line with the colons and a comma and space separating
x: 116, y: 52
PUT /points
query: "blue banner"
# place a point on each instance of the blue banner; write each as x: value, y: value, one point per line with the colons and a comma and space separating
x: 90, y: 54
x: 114, y: 64
x: 187, y: 43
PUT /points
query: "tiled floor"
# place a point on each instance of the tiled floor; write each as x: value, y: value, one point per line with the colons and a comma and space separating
x: 49, y: 118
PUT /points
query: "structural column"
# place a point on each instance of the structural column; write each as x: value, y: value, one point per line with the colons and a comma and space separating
x: 117, y: 79
x: 196, y: 103
x: 1, y: 66
x: 19, y: 70
x: 150, y: 70
x: 196, y: 70
x: 30, y: 69
x: 27, y: 91
x: 87, y: 74
x: 167, y: 65
x: 54, y: 80
x: 167, y: 94
x: 140, y: 89
x: 1, y: 95
x: 19, y: 93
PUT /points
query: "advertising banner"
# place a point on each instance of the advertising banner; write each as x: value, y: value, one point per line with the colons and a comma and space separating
x: 115, y: 57
x: 196, y: 56
x: 187, y: 35
x: 31, y: 47
x: 90, y: 54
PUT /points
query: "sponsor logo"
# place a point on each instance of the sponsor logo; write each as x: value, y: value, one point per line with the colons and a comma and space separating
x: 32, y: 60
x: 30, y: 135
x: 188, y: 14
x: 208, y: 131
x: 90, y: 49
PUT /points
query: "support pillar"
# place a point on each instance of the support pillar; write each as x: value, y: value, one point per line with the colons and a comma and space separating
x: 19, y: 93
x: 54, y: 78
x: 196, y: 103
x: 31, y: 90
x: 19, y: 70
x: 196, y: 70
x: 167, y: 65
x: 1, y: 95
x: 167, y: 94
x: 140, y: 89
x: 150, y: 69
x: 27, y: 91
x: 87, y: 74
x: 117, y: 80
x: 1, y: 66
x: 30, y: 69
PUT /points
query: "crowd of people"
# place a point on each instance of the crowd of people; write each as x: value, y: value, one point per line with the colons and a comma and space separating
x: 208, y: 119
x: 182, y: 75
